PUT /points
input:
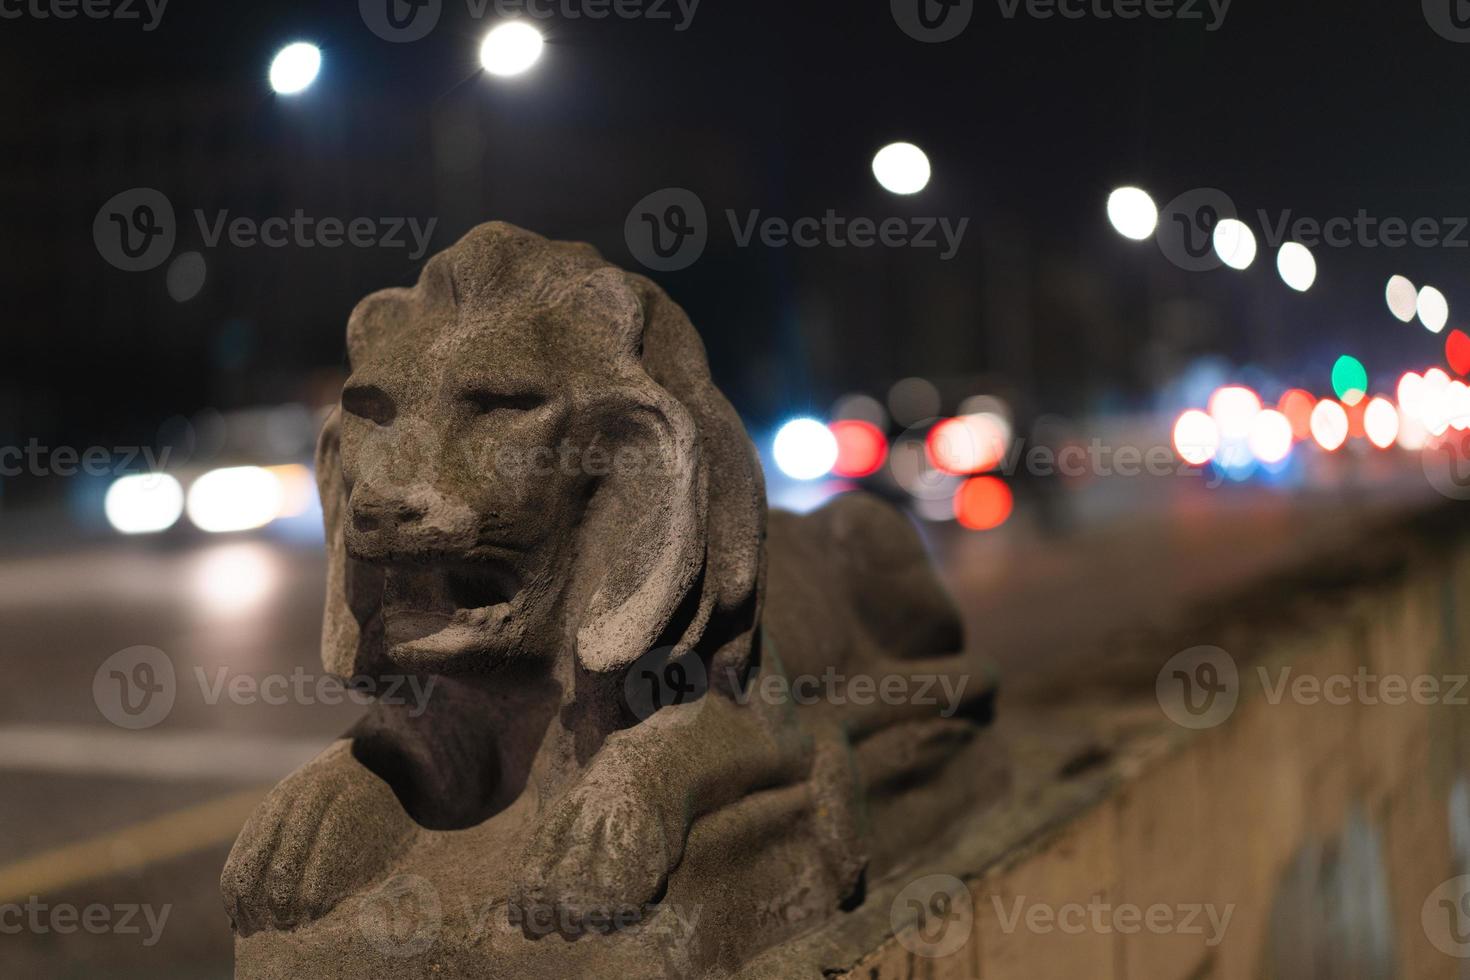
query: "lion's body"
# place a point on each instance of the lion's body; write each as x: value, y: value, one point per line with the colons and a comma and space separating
x: 529, y: 597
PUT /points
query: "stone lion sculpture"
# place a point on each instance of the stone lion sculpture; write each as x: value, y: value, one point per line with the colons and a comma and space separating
x: 536, y: 496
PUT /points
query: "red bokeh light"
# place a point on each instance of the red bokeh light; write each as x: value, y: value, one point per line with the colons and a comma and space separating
x: 861, y: 448
x: 1297, y: 406
x: 967, y: 444
x: 1457, y: 352
x: 983, y: 503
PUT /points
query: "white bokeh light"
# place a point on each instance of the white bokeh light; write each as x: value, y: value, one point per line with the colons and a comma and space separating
x: 1381, y: 423
x: 1297, y: 265
x: 235, y: 499
x: 902, y: 168
x: 1235, y: 243
x: 1196, y: 437
x: 1433, y: 309
x: 1403, y: 298
x: 144, y: 503
x: 1329, y: 424
x: 511, y: 49
x: 805, y: 449
x: 295, y: 67
x: 1132, y: 213
x: 1270, y: 438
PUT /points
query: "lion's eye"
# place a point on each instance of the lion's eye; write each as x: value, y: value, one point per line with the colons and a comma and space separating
x: 369, y: 402
x: 487, y: 402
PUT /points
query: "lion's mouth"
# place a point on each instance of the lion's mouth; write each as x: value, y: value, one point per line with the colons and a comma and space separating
x: 441, y: 609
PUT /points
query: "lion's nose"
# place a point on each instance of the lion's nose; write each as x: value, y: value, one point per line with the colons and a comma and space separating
x: 410, y: 524
x: 374, y: 511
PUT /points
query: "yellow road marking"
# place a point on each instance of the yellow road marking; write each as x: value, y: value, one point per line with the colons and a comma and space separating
x: 120, y: 851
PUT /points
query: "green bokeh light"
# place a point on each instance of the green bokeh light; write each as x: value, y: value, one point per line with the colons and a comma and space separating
x: 1349, y: 379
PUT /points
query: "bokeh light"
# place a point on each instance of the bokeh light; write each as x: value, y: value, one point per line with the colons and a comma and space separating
x: 983, y: 503
x: 295, y: 67
x: 1329, y: 425
x: 1381, y: 423
x: 1349, y: 379
x: 1196, y: 437
x: 1457, y: 351
x: 913, y: 400
x: 143, y: 503
x: 238, y: 498
x: 1270, y: 437
x: 1433, y: 309
x: 902, y: 168
x: 968, y: 444
x: 1297, y: 406
x: 1403, y: 298
x: 1234, y: 408
x: 805, y: 449
x: 1235, y: 243
x: 1132, y: 213
x: 1297, y: 266
x: 511, y: 49
x: 861, y: 448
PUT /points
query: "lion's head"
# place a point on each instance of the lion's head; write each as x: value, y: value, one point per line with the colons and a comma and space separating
x: 530, y: 457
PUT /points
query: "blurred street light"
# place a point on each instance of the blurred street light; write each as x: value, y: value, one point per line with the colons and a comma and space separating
x: 1132, y: 213
x: 902, y: 168
x: 511, y: 49
x: 295, y: 67
x: 1297, y: 266
x: 1433, y: 309
x: 1403, y: 298
x: 1235, y: 243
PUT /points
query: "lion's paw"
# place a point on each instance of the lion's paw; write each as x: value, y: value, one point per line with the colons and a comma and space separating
x: 595, y: 866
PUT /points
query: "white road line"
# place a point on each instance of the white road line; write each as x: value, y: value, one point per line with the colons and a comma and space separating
x: 182, y: 756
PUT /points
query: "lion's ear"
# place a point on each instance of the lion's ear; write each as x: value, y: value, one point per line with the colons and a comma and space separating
x: 353, y: 590
x: 643, y: 539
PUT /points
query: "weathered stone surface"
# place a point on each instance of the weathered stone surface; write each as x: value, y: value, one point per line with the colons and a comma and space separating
x: 536, y: 497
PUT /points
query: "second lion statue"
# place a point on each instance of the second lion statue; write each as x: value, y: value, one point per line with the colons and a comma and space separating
x: 536, y: 497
